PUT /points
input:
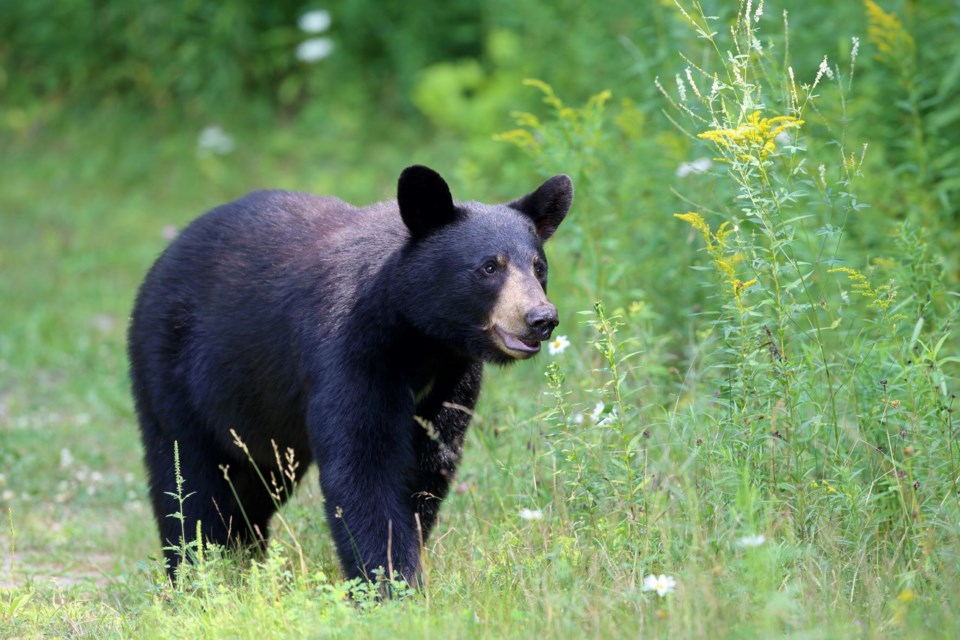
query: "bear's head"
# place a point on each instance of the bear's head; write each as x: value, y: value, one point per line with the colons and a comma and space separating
x: 474, y: 276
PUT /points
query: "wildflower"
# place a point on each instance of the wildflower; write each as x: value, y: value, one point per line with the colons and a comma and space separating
x: 887, y: 33
x: 823, y: 70
x: 558, y: 345
x: 696, y: 221
x: 314, y: 49
x: 739, y: 287
x: 213, y: 139
x: 601, y: 417
x: 316, y: 21
x: 793, y: 87
x: 66, y: 458
x: 531, y: 514
x: 608, y: 419
x: 681, y: 89
x: 661, y: 584
x: 693, y: 85
x: 752, y: 541
x: 715, y: 88
x: 880, y: 297
x: 700, y: 165
x: 783, y: 138
x: 755, y: 139
x: 597, y: 411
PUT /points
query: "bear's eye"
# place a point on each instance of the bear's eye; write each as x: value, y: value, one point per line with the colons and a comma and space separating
x: 490, y: 267
x: 539, y: 269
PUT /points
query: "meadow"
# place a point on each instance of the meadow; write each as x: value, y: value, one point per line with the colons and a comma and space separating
x: 748, y: 430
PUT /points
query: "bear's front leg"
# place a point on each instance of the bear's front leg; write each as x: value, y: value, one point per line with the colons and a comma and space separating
x: 359, y: 427
x: 441, y: 422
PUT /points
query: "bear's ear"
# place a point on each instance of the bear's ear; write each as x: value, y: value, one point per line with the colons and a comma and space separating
x: 548, y: 205
x: 425, y: 200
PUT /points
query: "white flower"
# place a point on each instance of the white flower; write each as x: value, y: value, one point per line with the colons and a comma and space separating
x: 314, y: 49
x: 597, y: 411
x: 661, y: 584
x: 693, y: 85
x: 715, y: 88
x: 531, y: 514
x: 700, y: 165
x: 558, y: 345
x: 66, y: 458
x: 213, y: 139
x: 752, y: 541
x: 681, y: 89
x: 315, y: 21
x: 823, y: 69
x: 598, y: 417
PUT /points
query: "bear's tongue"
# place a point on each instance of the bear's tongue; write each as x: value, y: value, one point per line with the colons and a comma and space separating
x: 516, y: 344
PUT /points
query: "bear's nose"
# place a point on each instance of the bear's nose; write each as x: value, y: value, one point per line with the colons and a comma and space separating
x: 542, y: 320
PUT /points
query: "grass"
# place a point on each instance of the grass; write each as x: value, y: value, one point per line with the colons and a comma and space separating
x: 761, y: 407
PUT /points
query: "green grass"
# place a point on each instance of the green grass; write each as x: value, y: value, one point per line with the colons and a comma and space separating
x: 694, y: 410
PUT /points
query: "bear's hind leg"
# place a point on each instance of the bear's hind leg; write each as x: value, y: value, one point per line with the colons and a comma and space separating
x: 206, y: 500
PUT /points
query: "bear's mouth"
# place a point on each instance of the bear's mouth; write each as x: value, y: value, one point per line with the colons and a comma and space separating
x: 515, y: 343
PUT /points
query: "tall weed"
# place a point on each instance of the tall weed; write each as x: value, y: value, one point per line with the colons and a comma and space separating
x: 814, y: 407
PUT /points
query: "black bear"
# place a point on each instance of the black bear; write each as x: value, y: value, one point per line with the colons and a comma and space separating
x: 353, y: 337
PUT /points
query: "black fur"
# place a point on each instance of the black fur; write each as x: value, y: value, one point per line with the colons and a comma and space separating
x: 326, y: 329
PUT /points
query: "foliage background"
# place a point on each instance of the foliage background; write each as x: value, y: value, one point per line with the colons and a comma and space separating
x: 700, y: 437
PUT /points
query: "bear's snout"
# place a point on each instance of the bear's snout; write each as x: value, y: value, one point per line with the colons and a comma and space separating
x: 542, y: 320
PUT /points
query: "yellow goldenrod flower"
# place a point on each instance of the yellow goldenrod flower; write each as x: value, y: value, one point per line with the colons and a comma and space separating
x: 886, y: 32
x: 726, y: 268
x: 723, y: 257
x: 755, y: 138
x: 881, y: 297
x: 696, y: 221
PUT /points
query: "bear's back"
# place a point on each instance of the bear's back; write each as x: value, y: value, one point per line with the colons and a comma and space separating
x: 287, y: 231
x: 239, y: 289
